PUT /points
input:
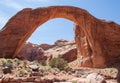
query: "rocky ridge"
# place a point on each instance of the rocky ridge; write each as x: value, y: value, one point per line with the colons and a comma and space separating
x: 62, y: 48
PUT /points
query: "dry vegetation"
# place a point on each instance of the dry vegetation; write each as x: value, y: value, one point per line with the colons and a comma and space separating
x: 24, y: 68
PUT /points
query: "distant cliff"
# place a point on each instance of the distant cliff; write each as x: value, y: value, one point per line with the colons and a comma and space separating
x: 62, y: 48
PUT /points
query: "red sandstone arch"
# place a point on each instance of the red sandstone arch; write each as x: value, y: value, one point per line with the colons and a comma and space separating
x: 98, y: 41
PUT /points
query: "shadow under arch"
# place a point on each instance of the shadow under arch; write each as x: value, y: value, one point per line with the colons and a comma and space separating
x: 20, y: 27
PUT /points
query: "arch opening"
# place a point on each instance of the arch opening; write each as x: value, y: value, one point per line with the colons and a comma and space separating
x: 57, y: 34
x: 53, y: 30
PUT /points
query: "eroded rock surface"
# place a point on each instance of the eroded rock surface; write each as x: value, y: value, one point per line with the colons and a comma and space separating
x: 100, y: 39
x: 64, y: 49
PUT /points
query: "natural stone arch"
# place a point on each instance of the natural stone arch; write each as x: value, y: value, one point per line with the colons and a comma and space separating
x: 93, y: 38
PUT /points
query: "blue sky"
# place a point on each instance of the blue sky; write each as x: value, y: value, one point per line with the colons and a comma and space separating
x: 59, y: 28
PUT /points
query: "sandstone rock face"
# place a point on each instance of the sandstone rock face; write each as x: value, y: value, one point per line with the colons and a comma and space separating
x: 101, y: 39
x: 64, y: 49
x: 84, y: 52
x: 71, y: 55
x: 61, y: 42
x: 45, y: 46
x: 32, y: 52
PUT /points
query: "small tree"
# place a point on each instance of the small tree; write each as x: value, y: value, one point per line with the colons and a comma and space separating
x: 58, y: 63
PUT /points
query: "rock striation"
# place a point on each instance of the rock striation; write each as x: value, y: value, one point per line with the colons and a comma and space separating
x: 100, y: 39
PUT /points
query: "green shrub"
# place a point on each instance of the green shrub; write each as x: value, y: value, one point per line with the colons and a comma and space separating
x: 8, y: 63
x: 58, y: 63
x: 54, y: 70
x: 21, y: 73
x: 17, y: 61
x: 3, y: 61
x: 74, y: 81
x: 43, y: 62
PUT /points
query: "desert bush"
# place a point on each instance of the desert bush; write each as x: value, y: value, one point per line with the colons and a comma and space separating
x: 55, y: 70
x: 28, y: 70
x: 58, y: 63
x: 7, y: 62
x: 43, y: 62
x: 73, y: 63
x: 17, y: 61
x: 74, y: 81
x: 21, y: 73
x: 63, y: 72
x: 3, y: 61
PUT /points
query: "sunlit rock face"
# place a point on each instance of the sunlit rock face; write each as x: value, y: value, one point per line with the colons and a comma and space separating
x: 101, y: 51
x: 98, y: 41
x: 64, y: 49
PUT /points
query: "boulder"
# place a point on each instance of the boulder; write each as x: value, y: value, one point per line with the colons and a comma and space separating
x: 95, y: 77
x: 34, y: 67
x: 7, y: 70
x: 70, y: 56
